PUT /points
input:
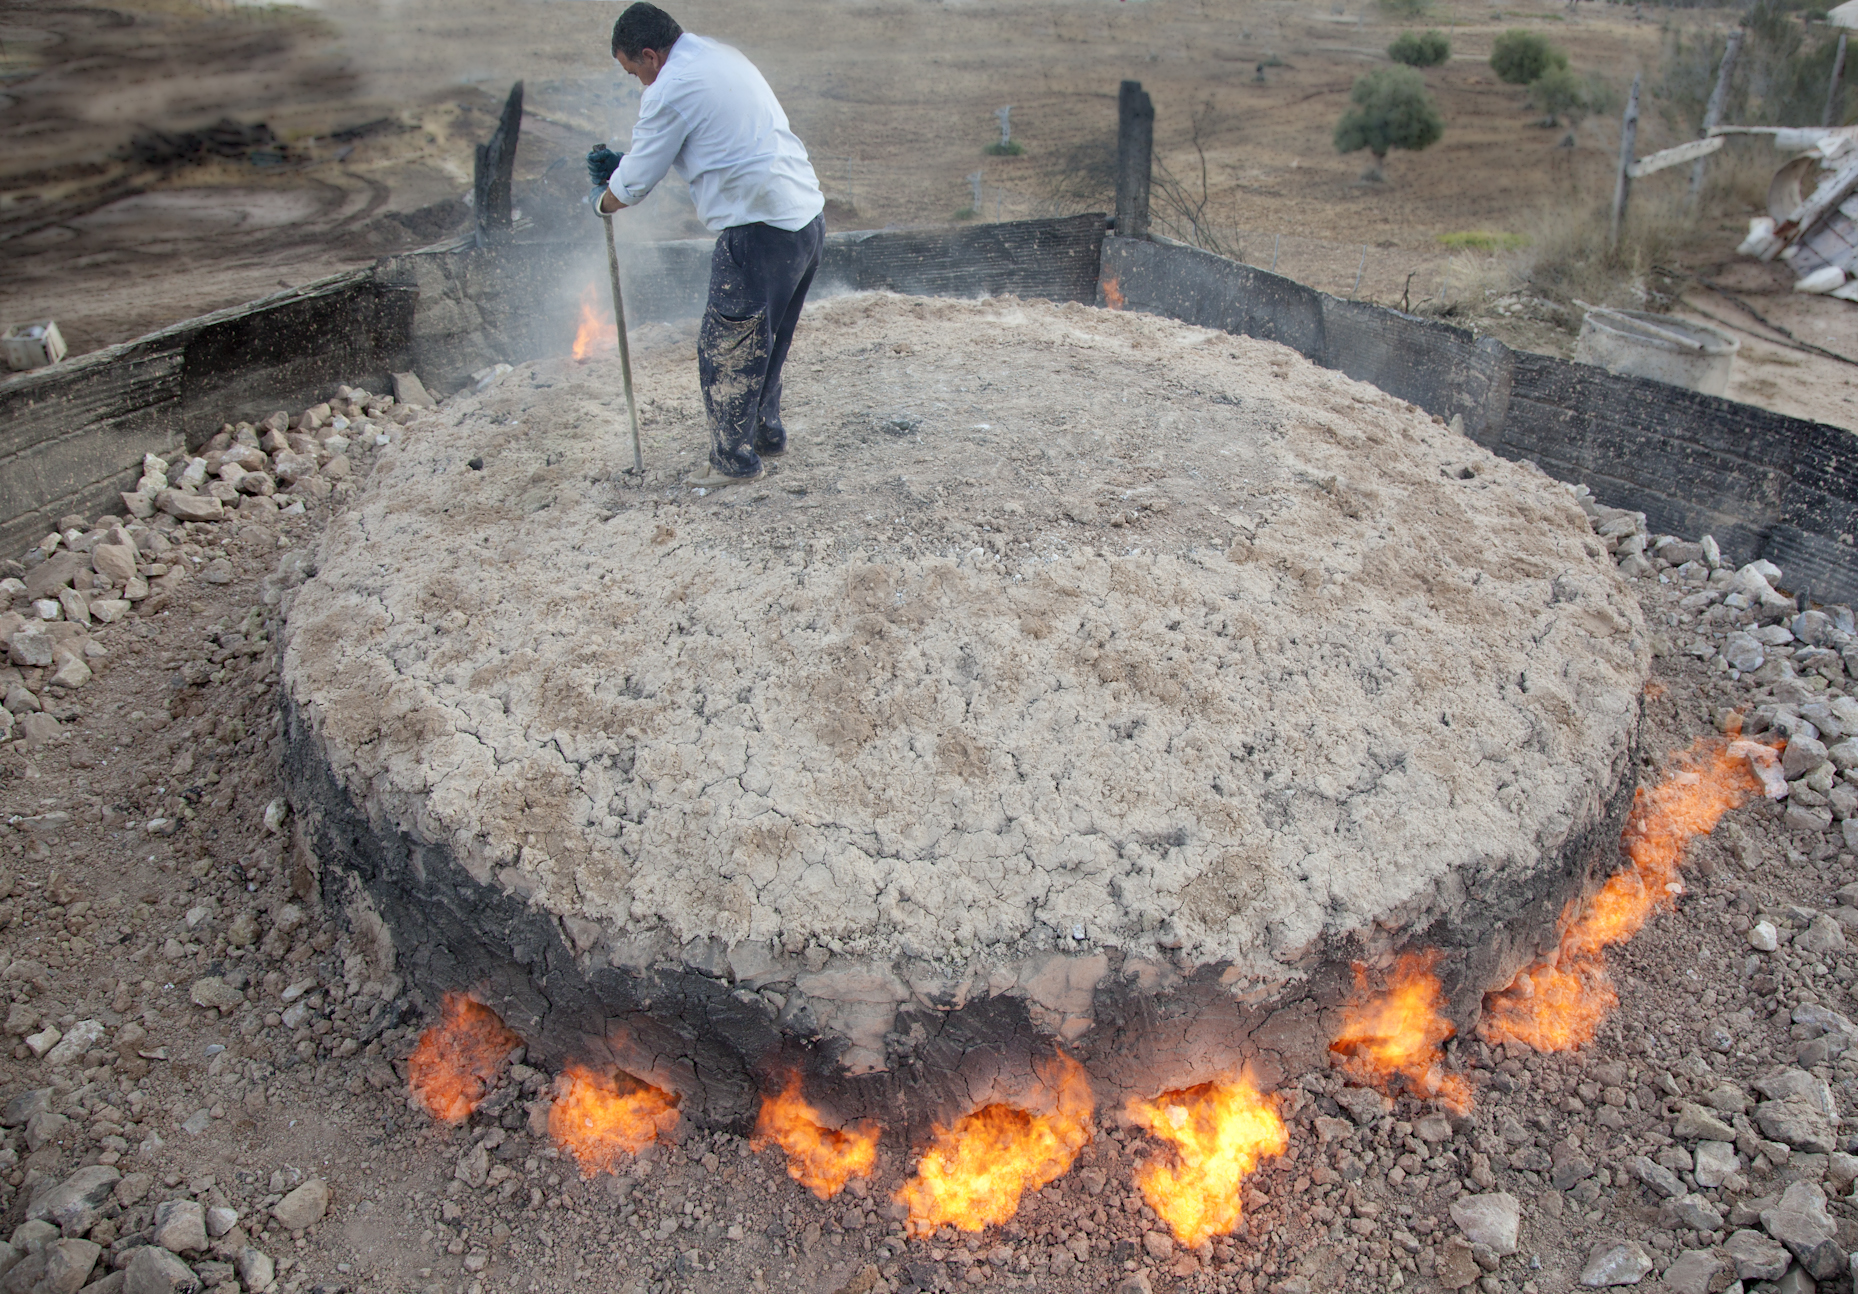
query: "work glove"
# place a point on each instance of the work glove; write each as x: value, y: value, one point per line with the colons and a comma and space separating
x: 601, y: 163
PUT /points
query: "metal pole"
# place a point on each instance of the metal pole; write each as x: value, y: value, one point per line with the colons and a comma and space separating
x: 1275, y: 240
x: 1358, y: 269
x: 1622, y: 185
x: 1713, y: 114
x: 625, y: 352
x: 1832, y: 91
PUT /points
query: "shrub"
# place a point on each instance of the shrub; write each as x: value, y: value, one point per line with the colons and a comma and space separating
x: 1405, y: 8
x: 1521, y: 57
x: 1420, y: 48
x: 1561, y: 92
x: 1391, y: 110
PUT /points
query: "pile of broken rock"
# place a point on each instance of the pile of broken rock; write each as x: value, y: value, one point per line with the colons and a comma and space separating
x: 86, y: 574
x: 98, y: 1232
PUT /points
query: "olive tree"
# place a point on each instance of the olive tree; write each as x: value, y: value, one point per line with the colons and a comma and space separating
x: 1520, y: 57
x: 1420, y: 48
x: 1390, y: 109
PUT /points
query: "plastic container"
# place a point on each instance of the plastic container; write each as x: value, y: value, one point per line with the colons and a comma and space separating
x: 32, y: 345
x: 1635, y: 344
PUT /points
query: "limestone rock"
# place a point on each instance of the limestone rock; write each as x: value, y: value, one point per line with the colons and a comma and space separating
x: 1692, y: 1210
x: 1490, y: 1220
x: 1694, y: 1122
x: 1716, y: 1163
x: 255, y: 1268
x: 1800, y: 1222
x: 1457, y: 1267
x: 77, y: 1202
x: 1616, y: 1264
x: 301, y: 1208
x: 68, y: 1265
x: 84, y: 1035
x: 215, y: 994
x: 1694, y: 1272
x: 180, y: 1226
x: 153, y: 1270
x: 21, y: 1108
x: 115, y: 562
x: 473, y: 1166
x: 44, y: 1128
x: 1756, y: 1257
x: 190, y: 507
x: 1655, y: 1175
x: 1796, y: 1122
x: 220, y: 1220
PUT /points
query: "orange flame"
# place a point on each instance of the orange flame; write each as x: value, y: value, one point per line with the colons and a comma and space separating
x: 1400, y: 1032
x: 821, y: 1159
x: 458, y: 1058
x: 1219, y: 1132
x: 596, y: 330
x: 599, y: 1117
x: 1558, y: 1003
x: 974, y: 1173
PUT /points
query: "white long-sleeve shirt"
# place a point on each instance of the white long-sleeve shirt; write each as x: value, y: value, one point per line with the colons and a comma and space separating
x: 711, y: 115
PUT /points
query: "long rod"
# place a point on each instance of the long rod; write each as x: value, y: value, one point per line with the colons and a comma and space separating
x: 625, y: 352
x: 1713, y: 112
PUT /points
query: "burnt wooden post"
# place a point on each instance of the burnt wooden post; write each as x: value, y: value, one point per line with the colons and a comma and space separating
x: 495, y: 162
x: 1622, y: 187
x: 1135, y: 149
x: 1713, y: 114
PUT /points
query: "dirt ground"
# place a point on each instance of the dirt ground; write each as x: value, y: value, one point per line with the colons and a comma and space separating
x: 146, y: 850
x: 376, y: 109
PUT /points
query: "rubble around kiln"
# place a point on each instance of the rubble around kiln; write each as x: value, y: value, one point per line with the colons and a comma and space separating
x: 1796, y: 662
x: 59, y: 597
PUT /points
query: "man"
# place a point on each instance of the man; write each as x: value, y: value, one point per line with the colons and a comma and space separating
x: 709, y: 113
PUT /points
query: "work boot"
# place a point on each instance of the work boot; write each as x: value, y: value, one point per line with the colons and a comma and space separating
x: 770, y: 439
x: 708, y: 478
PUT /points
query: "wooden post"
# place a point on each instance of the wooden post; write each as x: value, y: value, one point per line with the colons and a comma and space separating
x: 1713, y: 114
x: 495, y: 162
x: 1622, y: 186
x: 1135, y: 150
x: 1832, y: 91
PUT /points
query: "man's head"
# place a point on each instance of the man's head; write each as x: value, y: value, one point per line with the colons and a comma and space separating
x: 642, y: 40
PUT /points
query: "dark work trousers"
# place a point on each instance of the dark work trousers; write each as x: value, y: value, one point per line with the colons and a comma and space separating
x: 758, y: 281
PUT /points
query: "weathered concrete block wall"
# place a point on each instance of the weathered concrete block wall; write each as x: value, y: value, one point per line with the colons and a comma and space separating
x: 1764, y: 484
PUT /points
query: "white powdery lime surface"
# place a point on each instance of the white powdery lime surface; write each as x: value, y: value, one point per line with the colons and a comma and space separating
x: 1056, y: 627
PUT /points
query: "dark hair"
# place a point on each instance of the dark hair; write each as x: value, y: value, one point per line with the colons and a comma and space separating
x: 642, y: 27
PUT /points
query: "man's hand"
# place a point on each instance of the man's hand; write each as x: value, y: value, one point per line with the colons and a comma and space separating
x: 601, y: 163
